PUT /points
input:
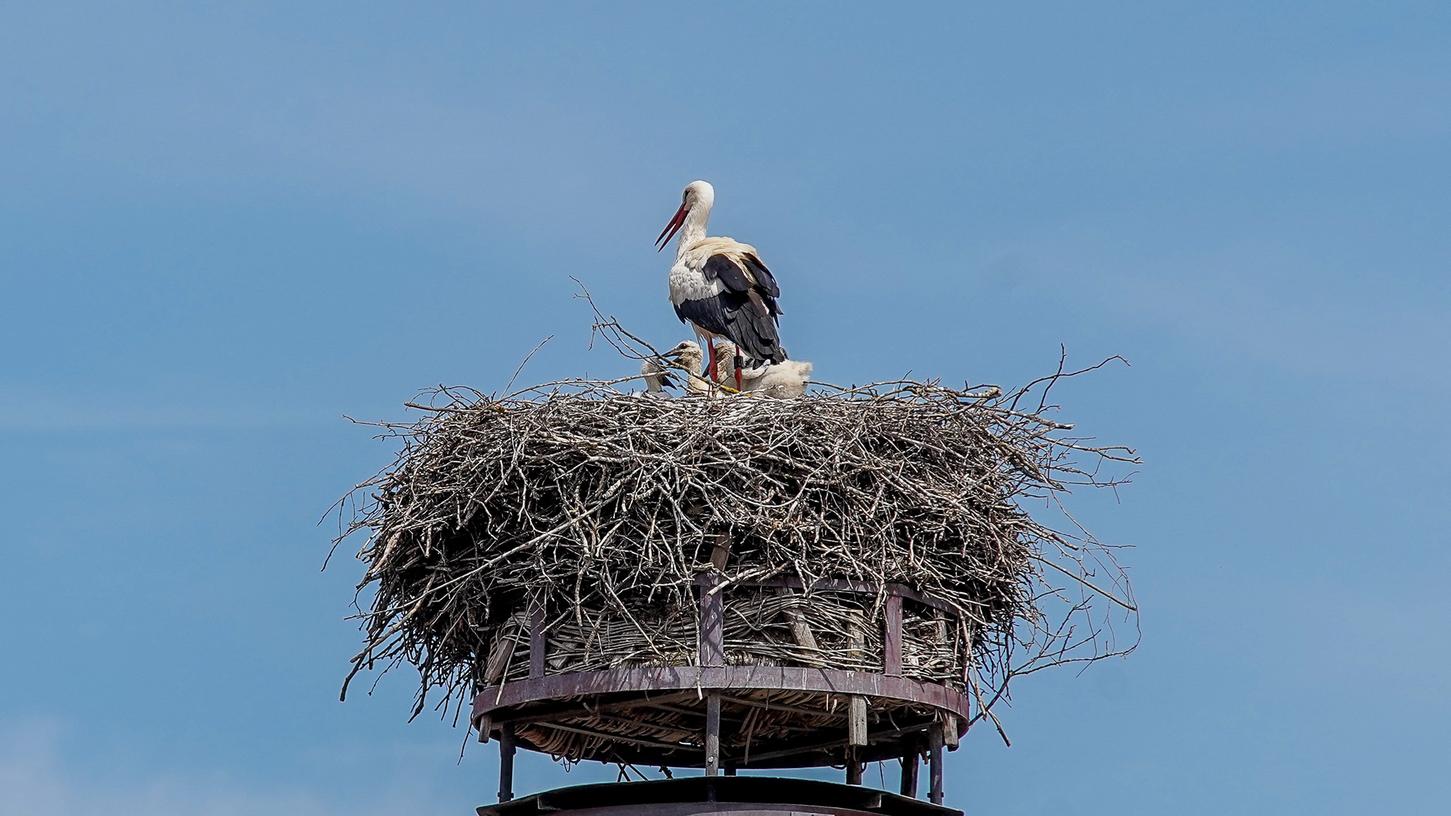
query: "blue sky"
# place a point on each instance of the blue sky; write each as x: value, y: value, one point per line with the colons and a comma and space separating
x: 224, y: 227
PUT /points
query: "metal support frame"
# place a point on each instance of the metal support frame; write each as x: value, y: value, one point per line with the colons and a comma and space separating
x: 497, y: 707
x: 495, y: 701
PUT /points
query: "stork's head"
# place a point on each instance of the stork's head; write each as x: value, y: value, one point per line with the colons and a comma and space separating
x: 696, y: 199
x: 687, y: 353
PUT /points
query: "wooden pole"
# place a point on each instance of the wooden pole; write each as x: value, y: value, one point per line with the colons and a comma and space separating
x: 712, y: 734
x: 712, y: 625
x: 892, y: 640
x: 537, y: 643
x: 856, y: 721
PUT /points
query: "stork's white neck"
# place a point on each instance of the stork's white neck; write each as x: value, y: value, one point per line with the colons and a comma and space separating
x: 694, y: 228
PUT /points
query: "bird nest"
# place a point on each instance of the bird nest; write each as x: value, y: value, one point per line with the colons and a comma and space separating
x: 605, y: 512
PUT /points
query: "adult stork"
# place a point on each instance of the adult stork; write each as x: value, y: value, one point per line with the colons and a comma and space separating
x: 720, y: 286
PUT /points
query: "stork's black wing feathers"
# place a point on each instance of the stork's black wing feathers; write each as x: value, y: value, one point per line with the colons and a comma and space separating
x: 764, y: 279
x: 728, y: 272
x: 745, y: 310
x: 753, y: 276
x: 707, y: 313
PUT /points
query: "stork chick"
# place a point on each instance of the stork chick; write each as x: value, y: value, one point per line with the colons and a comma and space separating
x: 784, y: 380
x: 664, y: 371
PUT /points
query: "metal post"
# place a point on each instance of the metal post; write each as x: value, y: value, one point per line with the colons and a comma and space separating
x: 853, y: 766
x: 909, y: 772
x: 506, y: 763
x: 934, y: 763
x: 712, y: 734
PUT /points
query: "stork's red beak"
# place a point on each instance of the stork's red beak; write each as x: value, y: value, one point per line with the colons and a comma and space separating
x: 676, y: 222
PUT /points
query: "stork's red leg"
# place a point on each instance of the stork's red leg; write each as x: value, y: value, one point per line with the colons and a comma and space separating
x: 710, y: 364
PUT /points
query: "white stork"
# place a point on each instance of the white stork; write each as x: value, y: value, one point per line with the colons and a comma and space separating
x: 720, y: 286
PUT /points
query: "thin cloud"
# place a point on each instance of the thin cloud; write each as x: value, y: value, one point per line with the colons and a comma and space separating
x: 37, y: 780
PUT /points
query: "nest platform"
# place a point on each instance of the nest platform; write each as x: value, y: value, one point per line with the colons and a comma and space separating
x: 729, y: 583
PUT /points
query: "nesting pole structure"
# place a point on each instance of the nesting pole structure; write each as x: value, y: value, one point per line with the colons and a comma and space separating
x: 730, y: 584
x: 725, y: 710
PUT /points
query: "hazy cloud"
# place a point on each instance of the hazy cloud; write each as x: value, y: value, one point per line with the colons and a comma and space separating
x: 38, y: 780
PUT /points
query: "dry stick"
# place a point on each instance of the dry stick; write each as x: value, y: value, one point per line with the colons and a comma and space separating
x: 1082, y: 580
